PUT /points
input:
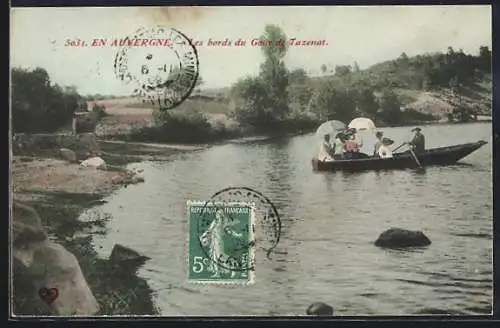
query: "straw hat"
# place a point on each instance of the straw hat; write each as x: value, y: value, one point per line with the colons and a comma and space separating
x: 387, y: 141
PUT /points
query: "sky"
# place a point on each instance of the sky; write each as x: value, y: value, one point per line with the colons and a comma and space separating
x: 366, y: 35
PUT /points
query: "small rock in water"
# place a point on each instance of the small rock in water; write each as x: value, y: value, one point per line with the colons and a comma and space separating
x: 125, y: 255
x: 319, y: 309
x: 396, y: 238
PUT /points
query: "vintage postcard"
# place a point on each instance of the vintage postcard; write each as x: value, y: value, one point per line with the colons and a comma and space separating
x: 264, y: 161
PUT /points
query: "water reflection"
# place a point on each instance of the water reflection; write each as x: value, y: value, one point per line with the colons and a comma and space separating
x: 330, y: 221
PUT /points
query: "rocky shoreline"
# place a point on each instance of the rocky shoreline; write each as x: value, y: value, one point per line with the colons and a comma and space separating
x: 55, y: 191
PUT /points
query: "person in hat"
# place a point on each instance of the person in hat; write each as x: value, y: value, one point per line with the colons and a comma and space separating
x: 352, y: 145
x: 338, y: 146
x: 326, y: 150
x: 384, y: 151
x: 379, y: 135
x: 353, y: 134
x: 418, y: 141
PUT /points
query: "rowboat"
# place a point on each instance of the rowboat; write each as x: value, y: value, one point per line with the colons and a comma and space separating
x: 435, y: 156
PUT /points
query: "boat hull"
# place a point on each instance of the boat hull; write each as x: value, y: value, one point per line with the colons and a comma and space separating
x: 435, y: 156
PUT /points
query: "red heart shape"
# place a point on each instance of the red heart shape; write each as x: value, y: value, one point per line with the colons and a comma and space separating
x: 48, y: 295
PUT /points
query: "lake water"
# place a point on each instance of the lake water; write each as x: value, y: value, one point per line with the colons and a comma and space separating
x: 330, y: 221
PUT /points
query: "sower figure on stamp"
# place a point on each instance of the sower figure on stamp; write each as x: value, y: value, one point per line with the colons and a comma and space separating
x: 219, y: 230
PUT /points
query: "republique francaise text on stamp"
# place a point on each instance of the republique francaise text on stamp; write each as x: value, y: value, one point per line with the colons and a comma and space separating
x: 221, y: 242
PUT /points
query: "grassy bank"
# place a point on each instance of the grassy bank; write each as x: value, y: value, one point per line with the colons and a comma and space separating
x: 196, y: 128
x: 60, y: 192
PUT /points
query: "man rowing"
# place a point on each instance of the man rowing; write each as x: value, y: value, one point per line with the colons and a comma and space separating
x: 418, y: 141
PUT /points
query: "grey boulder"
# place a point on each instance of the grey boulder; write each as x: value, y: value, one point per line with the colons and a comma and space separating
x: 319, y: 309
x: 400, y: 238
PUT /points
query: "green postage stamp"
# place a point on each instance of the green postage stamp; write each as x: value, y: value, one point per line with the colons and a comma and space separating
x: 221, y: 242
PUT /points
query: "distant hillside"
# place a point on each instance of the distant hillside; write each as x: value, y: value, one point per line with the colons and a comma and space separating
x: 432, y: 84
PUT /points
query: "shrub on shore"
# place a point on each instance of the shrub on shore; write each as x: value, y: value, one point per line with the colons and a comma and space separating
x: 38, y: 104
x: 190, y: 127
x: 88, y: 122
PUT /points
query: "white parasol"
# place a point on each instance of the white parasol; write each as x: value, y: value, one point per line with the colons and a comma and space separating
x: 362, y: 124
x: 330, y: 127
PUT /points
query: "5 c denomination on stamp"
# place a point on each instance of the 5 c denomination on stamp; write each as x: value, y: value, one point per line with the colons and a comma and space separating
x: 221, y: 242
x: 166, y: 73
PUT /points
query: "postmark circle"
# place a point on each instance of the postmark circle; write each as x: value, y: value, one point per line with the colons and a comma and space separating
x: 267, y: 220
x: 162, y: 64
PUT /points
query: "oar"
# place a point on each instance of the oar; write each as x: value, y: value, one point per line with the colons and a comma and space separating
x: 404, y: 143
x: 415, y: 158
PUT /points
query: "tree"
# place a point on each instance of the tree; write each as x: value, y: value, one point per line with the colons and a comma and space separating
x: 255, y: 106
x: 390, y: 107
x: 454, y: 84
x: 485, y: 58
x: 273, y: 71
x: 298, y: 76
x: 330, y: 103
x: 356, y: 67
x: 323, y: 69
x: 366, y: 101
x: 264, y: 99
x: 403, y: 57
x: 342, y: 70
x: 300, y: 96
x: 38, y: 105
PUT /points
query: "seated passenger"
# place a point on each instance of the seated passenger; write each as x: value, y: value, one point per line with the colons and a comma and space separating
x: 353, y: 134
x: 351, y: 147
x: 326, y: 150
x: 379, y: 136
x: 384, y: 151
x: 338, y: 146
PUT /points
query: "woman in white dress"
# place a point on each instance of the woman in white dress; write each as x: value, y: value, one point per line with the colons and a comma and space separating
x: 325, y: 150
x: 384, y: 151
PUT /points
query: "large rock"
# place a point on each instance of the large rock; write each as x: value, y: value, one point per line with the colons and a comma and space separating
x: 320, y: 309
x: 68, y: 155
x: 26, y: 226
x: 41, y: 263
x: 95, y: 162
x: 126, y: 256
x: 398, y: 238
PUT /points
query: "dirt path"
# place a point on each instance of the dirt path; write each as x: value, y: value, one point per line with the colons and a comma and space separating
x: 32, y: 174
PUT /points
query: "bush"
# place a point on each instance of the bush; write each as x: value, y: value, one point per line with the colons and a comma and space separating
x: 189, y: 127
x: 39, y: 105
x: 99, y: 111
x: 411, y: 114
